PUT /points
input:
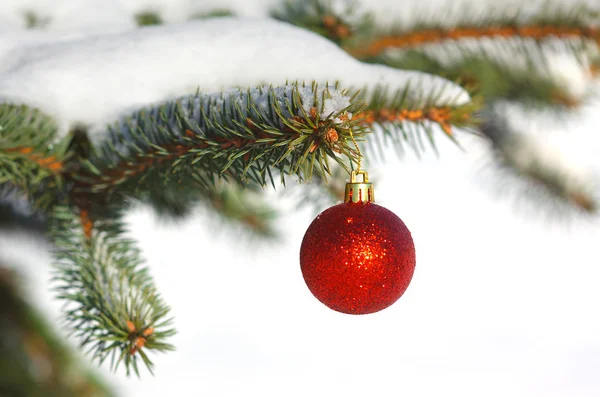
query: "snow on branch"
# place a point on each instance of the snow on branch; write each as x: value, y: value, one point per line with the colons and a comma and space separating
x: 245, y: 135
x: 91, y: 80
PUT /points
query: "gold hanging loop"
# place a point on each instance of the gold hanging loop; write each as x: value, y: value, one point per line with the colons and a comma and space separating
x: 359, y: 192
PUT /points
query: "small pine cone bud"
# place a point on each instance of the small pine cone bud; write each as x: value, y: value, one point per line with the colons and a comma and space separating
x: 331, y: 136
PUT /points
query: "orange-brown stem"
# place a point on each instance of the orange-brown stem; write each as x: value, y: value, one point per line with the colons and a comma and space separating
x: 127, y: 169
x: 431, y: 36
x: 442, y: 116
x: 86, y: 223
x: 157, y: 157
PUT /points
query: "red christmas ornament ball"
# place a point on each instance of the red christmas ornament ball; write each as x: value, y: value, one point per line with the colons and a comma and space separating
x: 357, y: 258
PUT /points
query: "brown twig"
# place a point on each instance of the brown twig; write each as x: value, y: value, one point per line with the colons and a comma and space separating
x: 432, y: 36
x: 441, y: 116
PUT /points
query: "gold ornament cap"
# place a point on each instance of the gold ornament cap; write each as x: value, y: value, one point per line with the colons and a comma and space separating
x: 359, y: 192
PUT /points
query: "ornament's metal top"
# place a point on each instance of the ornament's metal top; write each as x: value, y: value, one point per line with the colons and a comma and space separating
x: 359, y: 192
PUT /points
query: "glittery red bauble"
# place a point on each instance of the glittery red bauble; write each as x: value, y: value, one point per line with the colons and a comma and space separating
x: 357, y: 258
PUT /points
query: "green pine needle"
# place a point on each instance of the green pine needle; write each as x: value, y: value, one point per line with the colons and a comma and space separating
x: 23, y: 126
x: 113, y: 307
x: 30, y: 159
x: 576, y: 24
x: 244, y: 136
x: 527, y: 168
x: 491, y: 78
x: 338, y: 22
x: 239, y: 209
x: 400, y: 119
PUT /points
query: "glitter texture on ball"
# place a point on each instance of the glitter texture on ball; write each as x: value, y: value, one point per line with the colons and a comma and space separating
x: 357, y: 258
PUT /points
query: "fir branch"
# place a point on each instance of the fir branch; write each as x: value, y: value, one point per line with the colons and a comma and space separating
x: 41, y: 186
x: 26, y: 144
x: 243, y: 207
x: 538, y: 176
x: 404, y: 119
x: 113, y: 306
x: 338, y: 21
x: 492, y: 78
x: 173, y: 201
x: 30, y: 159
x: 22, y: 126
x: 243, y: 210
x: 47, y: 162
x: 34, y: 361
x: 246, y: 136
x: 554, y: 20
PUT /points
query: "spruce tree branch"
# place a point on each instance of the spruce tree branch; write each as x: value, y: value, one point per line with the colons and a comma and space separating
x: 243, y: 210
x: 405, y: 120
x: 34, y: 361
x: 532, y: 167
x: 25, y: 127
x: 248, y: 137
x: 493, y: 78
x: 41, y: 187
x: 578, y: 24
x: 47, y: 162
x: 338, y: 21
x: 245, y: 136
x: 112, y: 304
x: 30, y: 160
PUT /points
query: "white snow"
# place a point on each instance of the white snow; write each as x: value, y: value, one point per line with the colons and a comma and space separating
x: 405, y: 14
x: 573, y: 76
x: 172, y: 11
x: 69, y: 15
x: 92, y: 79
